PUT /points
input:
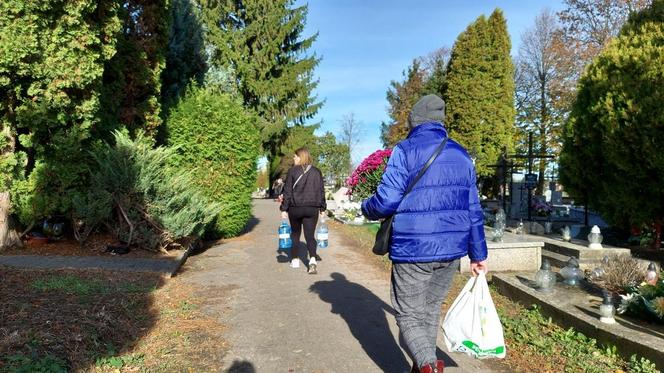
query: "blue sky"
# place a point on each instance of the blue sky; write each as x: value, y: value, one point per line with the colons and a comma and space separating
x: 364, y: 44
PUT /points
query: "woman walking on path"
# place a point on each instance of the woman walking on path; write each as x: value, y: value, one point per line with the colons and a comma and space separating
x: 304, y: 199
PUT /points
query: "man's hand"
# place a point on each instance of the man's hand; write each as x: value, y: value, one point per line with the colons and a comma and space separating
x: 477, y: 267
x: 284, y: 215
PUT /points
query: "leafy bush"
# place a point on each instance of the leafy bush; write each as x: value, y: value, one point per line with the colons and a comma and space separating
x: 641, y: 365
x: 154, y: 204
x: 218, y: 140
x: 645, y: 301
x: 22, y: 363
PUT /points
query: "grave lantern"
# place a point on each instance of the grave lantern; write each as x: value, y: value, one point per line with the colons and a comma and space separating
x: 547, y: 227
x: 545, y: 279
x: 520, y: 227
x: 497, y: 233
x: 571, y: 272
x: 651, y: 275
x: 597, y: 273
x: 499, y: 226
x: 606, y: 310
x: 566, y: 233
x: 595, y: 238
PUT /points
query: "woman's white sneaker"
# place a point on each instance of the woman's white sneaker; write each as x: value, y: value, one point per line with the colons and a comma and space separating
x: 295, y: 263
x: 313, y: 266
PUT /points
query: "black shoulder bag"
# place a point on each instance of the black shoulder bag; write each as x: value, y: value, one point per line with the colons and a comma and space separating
x: 382, y: 244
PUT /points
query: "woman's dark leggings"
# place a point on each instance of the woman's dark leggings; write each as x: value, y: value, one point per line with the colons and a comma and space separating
x: 303, y: 216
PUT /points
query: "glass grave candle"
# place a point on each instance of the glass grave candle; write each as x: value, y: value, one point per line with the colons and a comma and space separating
x: 595, y: 238
x: 571, y: 272
x: 606, y: 310
x: 545, y: 278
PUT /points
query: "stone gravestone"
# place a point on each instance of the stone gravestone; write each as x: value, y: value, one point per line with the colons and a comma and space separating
x: 556, y: 195
x: 519, y: 206
x: 552, y: 195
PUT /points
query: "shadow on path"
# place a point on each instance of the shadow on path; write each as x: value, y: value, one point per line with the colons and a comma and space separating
x: 365, y: 314
x: 283, y: 256
x: 241, y: 367
x: 251, y: 224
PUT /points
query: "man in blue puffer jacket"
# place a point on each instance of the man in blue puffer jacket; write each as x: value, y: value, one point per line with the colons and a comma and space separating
x: 437, y: 223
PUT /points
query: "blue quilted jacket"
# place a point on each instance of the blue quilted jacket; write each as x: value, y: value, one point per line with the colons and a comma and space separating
x: 441, y: 218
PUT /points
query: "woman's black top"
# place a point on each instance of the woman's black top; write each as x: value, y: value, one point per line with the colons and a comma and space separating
x: 308, y: 191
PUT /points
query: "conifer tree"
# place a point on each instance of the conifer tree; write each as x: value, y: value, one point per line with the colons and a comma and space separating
x: 480, y: 91
x: 401, y: 97
x: 612, y: 150
x: 185, y: 56
x: 51, y: 67
x: 261, y: 42
x: 132, y: 78
x: 425, y: 76
x: 435, y: 83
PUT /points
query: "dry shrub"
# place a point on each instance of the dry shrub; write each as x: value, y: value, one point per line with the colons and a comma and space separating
x: 621, y: 272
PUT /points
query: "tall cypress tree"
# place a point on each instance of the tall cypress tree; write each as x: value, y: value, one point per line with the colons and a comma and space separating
x: 480, y: 90
x: 260, y: 41
x: 501, y: 99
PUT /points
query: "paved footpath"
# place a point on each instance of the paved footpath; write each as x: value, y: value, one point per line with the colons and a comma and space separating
x: 281, y: 319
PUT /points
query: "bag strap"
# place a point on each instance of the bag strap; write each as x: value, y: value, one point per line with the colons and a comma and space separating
x: 426, y: 166
x: 305, y: 171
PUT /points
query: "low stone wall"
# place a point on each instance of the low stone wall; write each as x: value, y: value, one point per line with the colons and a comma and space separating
x: 515, y: 253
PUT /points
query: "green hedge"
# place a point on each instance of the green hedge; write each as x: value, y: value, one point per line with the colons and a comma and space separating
x: 218, y: 139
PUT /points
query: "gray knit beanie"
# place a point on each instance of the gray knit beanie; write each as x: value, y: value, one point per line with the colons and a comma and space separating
x: 429, y: 108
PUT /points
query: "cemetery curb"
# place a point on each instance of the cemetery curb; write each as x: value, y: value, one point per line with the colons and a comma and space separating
x: 627, y: 343
x: 168, y: 267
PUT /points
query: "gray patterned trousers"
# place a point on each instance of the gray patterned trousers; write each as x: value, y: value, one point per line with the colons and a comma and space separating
x: 418, y: 291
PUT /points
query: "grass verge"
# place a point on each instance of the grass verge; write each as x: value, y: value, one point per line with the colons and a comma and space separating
x: 63, y: 320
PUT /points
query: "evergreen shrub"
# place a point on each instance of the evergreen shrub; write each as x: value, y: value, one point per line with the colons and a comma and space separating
x: 147, y: 202
x: 612, y: 143
x: 218, y: 139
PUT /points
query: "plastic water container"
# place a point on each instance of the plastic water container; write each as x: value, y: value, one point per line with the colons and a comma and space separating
x: 285, y: 242
x: 322, y: 234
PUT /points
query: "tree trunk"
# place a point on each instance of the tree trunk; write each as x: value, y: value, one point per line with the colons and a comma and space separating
x: 8, y: 235
x: 658, y: 235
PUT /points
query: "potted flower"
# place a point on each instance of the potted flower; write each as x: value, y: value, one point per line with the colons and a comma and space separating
x: 542, y: 208
x: 364, y: 180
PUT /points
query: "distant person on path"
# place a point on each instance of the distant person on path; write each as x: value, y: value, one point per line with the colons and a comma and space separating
x: 278, y: 187
x: 304, y: 199
x: 437, y: 223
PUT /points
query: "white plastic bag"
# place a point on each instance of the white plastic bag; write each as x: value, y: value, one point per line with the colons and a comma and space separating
x: 472, y: 325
